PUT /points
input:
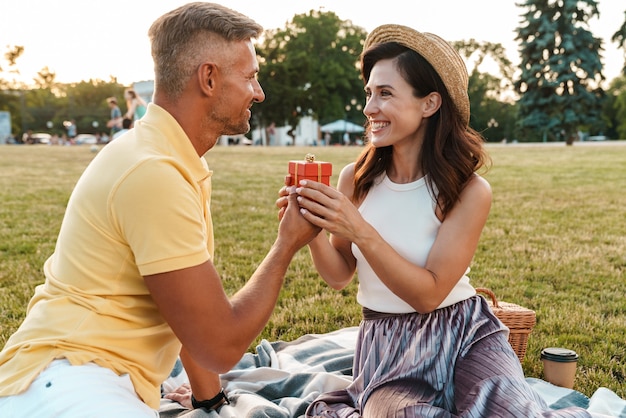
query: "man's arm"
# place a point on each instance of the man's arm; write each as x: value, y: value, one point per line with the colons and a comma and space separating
x: 214, y: 329
x: 204, y: 383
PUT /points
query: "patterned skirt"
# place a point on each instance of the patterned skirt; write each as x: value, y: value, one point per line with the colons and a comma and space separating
x: 455, y: 361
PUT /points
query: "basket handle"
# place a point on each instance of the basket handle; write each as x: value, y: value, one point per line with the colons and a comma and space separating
x: 490, y: 294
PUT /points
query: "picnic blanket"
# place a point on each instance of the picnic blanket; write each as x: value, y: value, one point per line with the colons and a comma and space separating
x: 281, y: 379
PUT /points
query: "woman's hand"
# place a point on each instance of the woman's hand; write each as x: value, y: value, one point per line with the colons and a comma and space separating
x: 330, y: 209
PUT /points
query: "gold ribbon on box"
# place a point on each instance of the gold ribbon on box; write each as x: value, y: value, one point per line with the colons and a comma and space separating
x: 309, y: 158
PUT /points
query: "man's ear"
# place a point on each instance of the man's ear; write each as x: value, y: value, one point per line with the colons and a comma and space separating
x: 432, y: 103
x: 207, y: 73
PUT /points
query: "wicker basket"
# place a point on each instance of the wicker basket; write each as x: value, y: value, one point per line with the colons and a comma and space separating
x: 518, y: 319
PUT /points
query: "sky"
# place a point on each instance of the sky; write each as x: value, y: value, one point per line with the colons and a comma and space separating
x: 96, y: 39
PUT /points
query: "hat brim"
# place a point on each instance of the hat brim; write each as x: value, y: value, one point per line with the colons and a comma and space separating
x: 438, y: 52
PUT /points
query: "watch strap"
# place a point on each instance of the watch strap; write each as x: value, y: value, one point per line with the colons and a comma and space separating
x: 212, y: 403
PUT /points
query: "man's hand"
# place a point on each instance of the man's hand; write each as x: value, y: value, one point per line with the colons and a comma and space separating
x: 182, y: 395
x: 293, y: 226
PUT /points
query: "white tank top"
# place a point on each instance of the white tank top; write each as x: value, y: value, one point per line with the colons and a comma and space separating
x: 404, y: 215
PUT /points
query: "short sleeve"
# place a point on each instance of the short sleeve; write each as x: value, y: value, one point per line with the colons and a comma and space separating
x: 160, y: 211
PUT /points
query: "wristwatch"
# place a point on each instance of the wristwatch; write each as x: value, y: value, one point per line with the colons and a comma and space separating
x: 213, y: 403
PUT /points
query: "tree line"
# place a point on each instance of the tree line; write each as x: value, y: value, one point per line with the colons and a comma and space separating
x: 310, y: 68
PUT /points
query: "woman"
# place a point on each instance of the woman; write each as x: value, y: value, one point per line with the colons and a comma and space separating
x: 135, y: 104
x: 408, y: 215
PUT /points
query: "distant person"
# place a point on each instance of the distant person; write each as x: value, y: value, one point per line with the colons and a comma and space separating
x: 104, y: 138
x: 271, y: 134
x: 27, y: 137
x: 407, y: 216
x: 327, y: 138
x: 115, y: 121
x: 126, y: 125
x: 132, y: 283
x: 136, y: 106
x: 72, y: 130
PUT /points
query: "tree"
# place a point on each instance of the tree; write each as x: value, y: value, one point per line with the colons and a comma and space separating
x: 560, y: 69
x: 11, y: 56
x: 85, y: 102
x: 617, y: 90
x: 46, y: 108
x: 310, y: 68
x: 45, y: 79
x: 492, y: 111
x: 620, y: 38
x: 12, y: 94
x: 615, y: 108
x: 47, y: 103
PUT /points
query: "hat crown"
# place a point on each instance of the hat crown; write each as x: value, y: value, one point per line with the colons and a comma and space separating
x: 438, y: 52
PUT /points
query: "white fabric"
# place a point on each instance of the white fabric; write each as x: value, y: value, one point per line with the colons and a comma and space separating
x: 282, y: 378
x: 404, y: 215
x: 66, y: 391
x: 605, y: 403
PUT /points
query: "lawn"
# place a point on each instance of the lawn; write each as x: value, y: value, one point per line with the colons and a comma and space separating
x: 555, y: 241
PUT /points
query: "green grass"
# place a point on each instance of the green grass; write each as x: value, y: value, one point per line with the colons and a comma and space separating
x: 555, y: 242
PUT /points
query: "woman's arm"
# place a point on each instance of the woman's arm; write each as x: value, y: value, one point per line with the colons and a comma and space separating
x: 132, y: 105
x: 331, y: 255
x: 424, y: 288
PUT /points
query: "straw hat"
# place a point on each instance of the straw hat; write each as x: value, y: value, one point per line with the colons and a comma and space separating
x: 438, y: 52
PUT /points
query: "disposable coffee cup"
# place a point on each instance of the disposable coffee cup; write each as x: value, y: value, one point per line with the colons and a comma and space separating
x: 559, y: 366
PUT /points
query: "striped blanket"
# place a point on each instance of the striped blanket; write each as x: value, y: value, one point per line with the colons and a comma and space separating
x: 282, y: 378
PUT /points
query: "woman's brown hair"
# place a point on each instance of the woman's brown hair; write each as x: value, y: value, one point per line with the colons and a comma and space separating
x: 451, y: 152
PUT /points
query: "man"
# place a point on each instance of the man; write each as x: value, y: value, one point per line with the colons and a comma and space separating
x: 115, y: 122
x: 131, y: 284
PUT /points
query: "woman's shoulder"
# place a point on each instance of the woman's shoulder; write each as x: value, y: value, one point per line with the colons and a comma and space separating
x: 477, y: 187
x: 348, y: 170
x: 345, y: 183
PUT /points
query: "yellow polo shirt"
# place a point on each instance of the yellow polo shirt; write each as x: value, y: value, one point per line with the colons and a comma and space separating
x: 141, y: 207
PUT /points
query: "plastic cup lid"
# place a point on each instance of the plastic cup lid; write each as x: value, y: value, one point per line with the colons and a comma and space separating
x: 562, y: 355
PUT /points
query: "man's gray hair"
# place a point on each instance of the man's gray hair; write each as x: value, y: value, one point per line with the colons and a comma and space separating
x: 182, y: 38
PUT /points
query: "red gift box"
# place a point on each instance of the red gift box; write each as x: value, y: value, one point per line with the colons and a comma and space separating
x: 309, y: 169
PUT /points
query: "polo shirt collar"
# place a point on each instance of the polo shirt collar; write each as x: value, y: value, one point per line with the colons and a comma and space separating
x: 175, y: 139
